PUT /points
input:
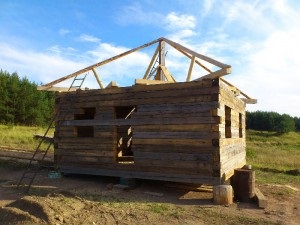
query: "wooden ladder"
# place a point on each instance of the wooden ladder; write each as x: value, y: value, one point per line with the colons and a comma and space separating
x: 31, y: 171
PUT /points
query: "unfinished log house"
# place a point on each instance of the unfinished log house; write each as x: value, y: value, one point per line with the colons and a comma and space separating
x: 160, y: 129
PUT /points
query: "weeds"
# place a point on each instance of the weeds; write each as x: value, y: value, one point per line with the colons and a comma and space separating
x: 21, y: 137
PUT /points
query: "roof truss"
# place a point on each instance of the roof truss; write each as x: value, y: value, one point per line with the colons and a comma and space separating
x: 157, y: 74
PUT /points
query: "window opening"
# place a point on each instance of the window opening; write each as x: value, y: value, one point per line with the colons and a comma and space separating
x: 227, y: 122
x: 124, y: 152
x: 88, y: 114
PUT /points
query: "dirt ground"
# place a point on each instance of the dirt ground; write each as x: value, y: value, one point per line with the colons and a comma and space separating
x: 97, y: 200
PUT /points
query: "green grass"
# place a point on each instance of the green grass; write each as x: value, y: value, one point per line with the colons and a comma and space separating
x: 20, y: 136
x: 271, y: 155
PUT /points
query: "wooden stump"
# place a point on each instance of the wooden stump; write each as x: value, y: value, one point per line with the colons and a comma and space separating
x: 222, y: 194
x: 243, y: 184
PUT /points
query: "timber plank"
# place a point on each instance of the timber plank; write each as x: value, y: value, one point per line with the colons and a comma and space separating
x: 191, y: 142
x: 200, y: 157
x: 140, y: 120
x: 167, y: 148
x: 175, y: 135
x: 176, y: 128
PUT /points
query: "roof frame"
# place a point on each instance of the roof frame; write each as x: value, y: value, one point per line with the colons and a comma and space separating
x: 160, y: 72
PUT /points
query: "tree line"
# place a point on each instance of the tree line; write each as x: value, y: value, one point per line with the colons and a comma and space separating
x: 272, y: 121
x: 21, y: 103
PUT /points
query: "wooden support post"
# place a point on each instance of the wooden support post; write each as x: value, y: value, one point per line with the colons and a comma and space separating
x: 196, y: 61
x: 97, y: 78
x: 167, y: 74
x: 151, y: 64
x: 161, y: 60
x: 188, y: 78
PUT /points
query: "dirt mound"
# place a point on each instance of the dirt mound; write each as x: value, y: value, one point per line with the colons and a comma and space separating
x: 34, y: 208
x: 15, y: 216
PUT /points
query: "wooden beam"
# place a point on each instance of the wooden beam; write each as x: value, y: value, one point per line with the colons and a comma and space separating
x: 167, y: 74
x: 149, y: 82
x: 189, y: 75
x: 249, y: 100
x: 242, y: 93
x: 196, y: 61
x: 112, y: 84
x: 161, y: 60
x: 151, y: 63
x: 101, y: 63
x: 97, y: 78
x: 217, y: 74
x: 193, y: 53
x: 51, y: 88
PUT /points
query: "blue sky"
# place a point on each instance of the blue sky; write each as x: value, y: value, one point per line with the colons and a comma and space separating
x: 45, y: 40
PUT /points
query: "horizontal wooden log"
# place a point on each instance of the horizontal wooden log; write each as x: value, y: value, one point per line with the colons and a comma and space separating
x: 199, y: 106
x: 84, y: 140
x: 175, y: 135
x: 178, y: 128
x: 150, y: 82
x: 145, y: 121
x: 173, y: 156
x: 191, y: 142
x: 86, y: 159
x: 157, y: 95
x: 51, y: 88
x: 141, y: 101
x: 84, y: 152
x: 167, y: 148
x: 202, y: 167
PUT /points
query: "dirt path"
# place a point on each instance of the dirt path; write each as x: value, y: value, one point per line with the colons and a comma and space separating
x: 95, y: 200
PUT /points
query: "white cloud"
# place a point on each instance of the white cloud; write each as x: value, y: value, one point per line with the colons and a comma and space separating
x: 272, y: 73
x: 183, y: 21
x: 37, y: 66
x: 63, y: 32
x: 88, y: 38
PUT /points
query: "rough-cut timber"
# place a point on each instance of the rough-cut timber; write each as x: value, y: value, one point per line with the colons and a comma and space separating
x: 185, y: 132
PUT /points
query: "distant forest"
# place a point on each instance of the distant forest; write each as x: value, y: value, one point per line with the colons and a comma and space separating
x: 272, y: 121
x: 22, y: 104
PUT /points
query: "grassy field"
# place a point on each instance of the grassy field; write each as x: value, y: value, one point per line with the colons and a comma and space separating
x: 20, y: 136
x: 270, y: 154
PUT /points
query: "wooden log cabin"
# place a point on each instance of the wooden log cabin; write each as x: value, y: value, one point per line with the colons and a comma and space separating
x: 160, y: 129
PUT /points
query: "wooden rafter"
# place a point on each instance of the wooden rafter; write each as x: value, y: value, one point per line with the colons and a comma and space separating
x: 151, y: 62
x: 217, y: 74
x: 196, y: 61
x: 193, y: 53
x: 101, y: 63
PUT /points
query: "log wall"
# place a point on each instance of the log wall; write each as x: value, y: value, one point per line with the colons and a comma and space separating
x: 172, y: 132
